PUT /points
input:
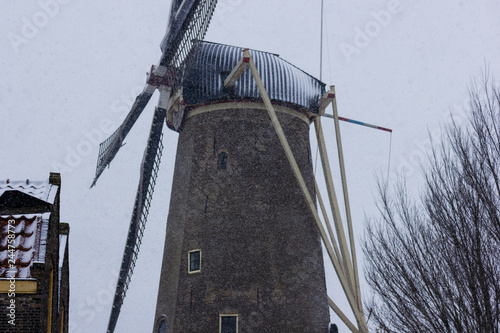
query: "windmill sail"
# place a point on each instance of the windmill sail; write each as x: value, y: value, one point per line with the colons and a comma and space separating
x: 179, y: 12
x: 189, y: 20
x: 109, y: 148
x: 149, y: 170
x: 188, y: 25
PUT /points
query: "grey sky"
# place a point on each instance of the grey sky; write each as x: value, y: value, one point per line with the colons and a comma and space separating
x: 69, y: 70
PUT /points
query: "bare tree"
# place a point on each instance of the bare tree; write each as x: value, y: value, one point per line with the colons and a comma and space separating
x: 434, y: 263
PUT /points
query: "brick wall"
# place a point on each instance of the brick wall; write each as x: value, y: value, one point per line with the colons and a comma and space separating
x: 27, y: 315
x: 261, y: 250
x: 31, y: 312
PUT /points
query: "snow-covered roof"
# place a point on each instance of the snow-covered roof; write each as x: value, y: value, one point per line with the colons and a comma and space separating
x: 30, y: 233
x: 41, y: 190
x: 283, y: 81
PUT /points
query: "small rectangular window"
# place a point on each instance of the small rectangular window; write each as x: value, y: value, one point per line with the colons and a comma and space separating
x: 228, y: 323
x: 194, y: 261
x: 222, y: 161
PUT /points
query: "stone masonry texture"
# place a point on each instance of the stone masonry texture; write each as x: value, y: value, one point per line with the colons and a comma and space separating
x: 261, y: 250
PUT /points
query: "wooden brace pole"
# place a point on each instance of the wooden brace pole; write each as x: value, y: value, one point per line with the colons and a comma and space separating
x: 286, y: 147
x: 237, y: 70
x: 326, y: 99
x: 346, y: 199
x: 341, y: 315
x: 360, y: 317
x: 327, y: 222
x: 334, y: 204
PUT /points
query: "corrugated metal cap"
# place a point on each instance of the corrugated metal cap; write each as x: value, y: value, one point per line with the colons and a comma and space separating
x: 283, y: 81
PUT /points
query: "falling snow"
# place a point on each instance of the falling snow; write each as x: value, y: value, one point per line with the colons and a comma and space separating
x: 70, y: 71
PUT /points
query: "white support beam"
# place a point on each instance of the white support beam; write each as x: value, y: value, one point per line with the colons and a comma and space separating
x: 325, y: 100
x: 344, y: 281
x: 346, y: 199
x: 342, y: 316
x: 237, y: 70
x: 339, y: 228
x: 360, y: 317
x: 327, y: 222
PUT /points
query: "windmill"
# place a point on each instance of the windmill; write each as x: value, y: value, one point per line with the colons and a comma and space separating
x: 243, y: 243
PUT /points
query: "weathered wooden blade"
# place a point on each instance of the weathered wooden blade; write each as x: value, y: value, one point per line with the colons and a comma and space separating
x: 109, y: 147
x: 189, y: 21
x: 147, y: 181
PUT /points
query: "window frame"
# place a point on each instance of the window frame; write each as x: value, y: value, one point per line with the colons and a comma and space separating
x: 189, y: 262
x: 222, y: 166
x: 229, y: 315
x: 162, y: 319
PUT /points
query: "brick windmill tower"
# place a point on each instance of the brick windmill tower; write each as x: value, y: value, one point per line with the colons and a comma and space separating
x: 243, y: 246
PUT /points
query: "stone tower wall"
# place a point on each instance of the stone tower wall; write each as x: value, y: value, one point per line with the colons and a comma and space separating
x: 261, y: 251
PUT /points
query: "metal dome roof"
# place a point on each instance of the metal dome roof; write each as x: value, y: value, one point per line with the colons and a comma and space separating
x: 283, y: 81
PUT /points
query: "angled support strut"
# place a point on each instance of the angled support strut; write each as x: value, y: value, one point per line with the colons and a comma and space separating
x: 341, y: 261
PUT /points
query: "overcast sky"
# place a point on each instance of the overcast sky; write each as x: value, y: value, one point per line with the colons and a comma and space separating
x: 69, y: 69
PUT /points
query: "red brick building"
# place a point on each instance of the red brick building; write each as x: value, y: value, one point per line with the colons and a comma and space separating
x: 34, y: 272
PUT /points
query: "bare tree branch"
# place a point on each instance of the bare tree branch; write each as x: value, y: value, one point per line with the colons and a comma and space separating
x: 434, y: 263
